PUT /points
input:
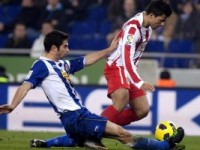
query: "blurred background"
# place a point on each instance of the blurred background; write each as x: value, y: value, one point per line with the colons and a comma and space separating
x: 171, y: 60
x: 92, y: 24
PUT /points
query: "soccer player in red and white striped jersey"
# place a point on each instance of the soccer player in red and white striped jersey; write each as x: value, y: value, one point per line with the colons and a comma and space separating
x: 125, y: 86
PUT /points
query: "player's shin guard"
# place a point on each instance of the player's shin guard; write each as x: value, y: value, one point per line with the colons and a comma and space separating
x: 61, y: 141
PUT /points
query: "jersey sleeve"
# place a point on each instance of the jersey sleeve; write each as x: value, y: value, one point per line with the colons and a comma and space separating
x: 130, y: 38
x: 76, y: 64
x: 37, y: 73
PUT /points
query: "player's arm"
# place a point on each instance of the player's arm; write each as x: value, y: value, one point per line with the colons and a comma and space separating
x: 35, y: 76
x: 19, y: 95
x: 95, y: 56
x: 130, y: 38
x: 77, y: 64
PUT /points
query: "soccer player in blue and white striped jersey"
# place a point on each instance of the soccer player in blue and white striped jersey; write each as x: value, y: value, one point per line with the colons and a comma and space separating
x: 82, y: 126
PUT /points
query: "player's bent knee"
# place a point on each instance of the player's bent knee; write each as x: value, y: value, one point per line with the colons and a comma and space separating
x: 142, y: 113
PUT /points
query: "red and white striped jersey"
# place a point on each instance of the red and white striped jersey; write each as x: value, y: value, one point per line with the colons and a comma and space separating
x: 133, y: 39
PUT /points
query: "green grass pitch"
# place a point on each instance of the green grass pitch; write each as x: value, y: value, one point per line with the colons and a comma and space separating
x: 13, y: 140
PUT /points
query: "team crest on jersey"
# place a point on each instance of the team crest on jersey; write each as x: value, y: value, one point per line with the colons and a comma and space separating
x: 65, y: 75
x: 129, y: 39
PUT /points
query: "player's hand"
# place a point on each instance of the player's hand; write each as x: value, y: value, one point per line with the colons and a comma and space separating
x: 114, y: 43
x: 5, y: 109
x: 147, y: 87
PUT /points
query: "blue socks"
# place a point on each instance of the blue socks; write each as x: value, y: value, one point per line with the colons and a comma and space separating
x: 150, y: 144
x: 61, y: 141
x: 140, y: 143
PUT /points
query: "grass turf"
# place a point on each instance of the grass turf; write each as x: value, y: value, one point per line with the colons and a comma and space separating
x: 13, y: 140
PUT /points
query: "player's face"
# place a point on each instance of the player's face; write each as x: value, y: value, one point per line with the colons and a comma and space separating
x: 63, y: 50
x: 157, y: 21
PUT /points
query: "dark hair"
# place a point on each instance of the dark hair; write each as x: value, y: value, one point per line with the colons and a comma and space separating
x: 165, y: 74
x: 47, y: 21
x: 20, y: 23
x: 159, y: 8
x: 54, y: 38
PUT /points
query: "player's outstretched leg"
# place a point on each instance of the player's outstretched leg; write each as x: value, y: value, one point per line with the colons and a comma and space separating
x: 65, y: 141
x: 151, y: 144
x: 61, y: 141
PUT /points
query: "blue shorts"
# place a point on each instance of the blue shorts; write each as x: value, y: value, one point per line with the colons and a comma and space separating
x: 83, y: 124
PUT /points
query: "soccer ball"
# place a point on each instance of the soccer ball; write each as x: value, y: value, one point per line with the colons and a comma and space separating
x: 164, y: 130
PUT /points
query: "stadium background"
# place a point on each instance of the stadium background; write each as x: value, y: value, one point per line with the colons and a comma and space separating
x: 178, y: 104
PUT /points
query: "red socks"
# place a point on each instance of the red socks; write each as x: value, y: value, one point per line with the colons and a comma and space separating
x: 110, y: 113
x: 124, y: 118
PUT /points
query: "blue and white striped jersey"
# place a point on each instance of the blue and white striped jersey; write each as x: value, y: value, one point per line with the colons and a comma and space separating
x: 54, y: 79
